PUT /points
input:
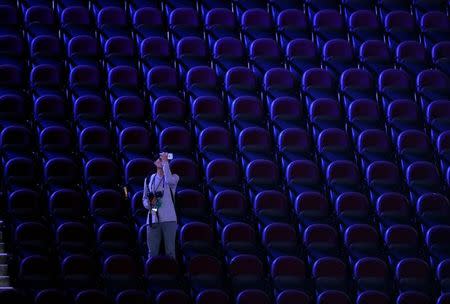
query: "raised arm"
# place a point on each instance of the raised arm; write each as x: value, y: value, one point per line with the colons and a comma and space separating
x: 171, y: 179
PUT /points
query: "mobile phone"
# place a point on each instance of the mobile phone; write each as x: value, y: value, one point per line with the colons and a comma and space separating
x: 169, y: 156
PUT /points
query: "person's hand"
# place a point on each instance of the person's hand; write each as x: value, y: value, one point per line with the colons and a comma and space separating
x: 164, y: 157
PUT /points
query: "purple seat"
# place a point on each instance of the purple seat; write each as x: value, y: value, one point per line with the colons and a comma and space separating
x: 292, y: 296
x: 201, y: 81
x: 254, y: 143
x: 183, y: 22
x: 176, y: 140
x: 373, y: 145
x: 279, y: 239
x: 361, y: 240
x: 147, y: 22
x: 161, y: 273
x: 61, y: 172
x: 333, y: 297
x: 75, y: 22
x: 214, y: 143
x: 402, y: 241
x: 400, y: 26
x: 50, y: 110
x: 32, y: 238
x: 318, y: 83
x: 432, y: 85
x: 278, y: 82
x: 432, y: 209
x: 261, y: 174
x: 90, y: 296
x: 100, y: 173
x: 162, y: 81
x: 247, y: 111
x: 302, y: 176
x: 411, y: 56
x: 219, y: 23
x: 212, y: 296
x: 371, y: 274
x: 363, y: 25
x: 422, y: 177
x: 36, y: 272
x: 111, y: 22
x: 114, y: 238
x: 106, y: 206
x: 372, y: 297
x: 239, y: 81
x: 15, y: 141
x: 356, y: 84
x: 119, y: 51
x: 83, y: 50
x: 204, y: 272
x: 437, y: 117
x: 327, y: 24
x: 443, y: 299
x: 337, y: 55
x: 119, y: 273
x: 264, y: 55
x: 412, y: 274
x: 39, y: 20
x: 402, y: 115
x: 270, y: 206
x: 286, y: 112
x: 440, y: 57
x: 288, y: 273
x: 392, y: 208
x: 252, y: 296
x: 238, y: 238
x: 11, y: 48
x: 207, y: 111
x: 333, y: 144
x: 413, y: 297
x: 324, y: 113
x: 172, y: 296
x: 437, y: 244
x: 363, y: 114
x: 89, y: 111
x: 192, y: 206
x: 291, y: 24
x: 188, y: 172
x: 221, y: 174
x: 229, y: 206
x: 45, y: 79
x: 320, y: 240
x: 45, y: 49
x: 78, y: 272
x: 55, y: 141
x: 122, y: 81
x: 394, y: 84
x: 375, y: 56
x: 329, y: 273
x: 293, y: 144
x: 95, y: 141
x: 443, y: 275
x: 246, y: 272
x: 313, y: 7
x: 434, y: 26
x: 135, y: 171
x: 73, y: 238
x: 195, y: 239
x: 190, y: 52
x: 128, y: 111
x: 311, y: 208
x: 19, y: 172
x: 64, y: 205
x: 132, y: 296
x: 12, y: 110
x: 352, y: 208
x: 23, y: 205
x: 256, y: 23
x: 227, y: 52
x: 154, y: 51
x: 342, y: 176
x: 301, y: 55
x: 134, y: 142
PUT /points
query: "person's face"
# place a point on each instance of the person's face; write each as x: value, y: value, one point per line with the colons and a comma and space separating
x: 158, y: 163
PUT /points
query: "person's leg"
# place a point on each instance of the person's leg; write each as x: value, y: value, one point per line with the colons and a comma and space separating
x: 169, y: 230
x: 153, y: 239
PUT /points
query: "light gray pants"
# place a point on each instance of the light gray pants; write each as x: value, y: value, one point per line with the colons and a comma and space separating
x: 168, y: 231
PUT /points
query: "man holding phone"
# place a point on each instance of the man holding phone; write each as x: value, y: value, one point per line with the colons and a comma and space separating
x: 158, y: 198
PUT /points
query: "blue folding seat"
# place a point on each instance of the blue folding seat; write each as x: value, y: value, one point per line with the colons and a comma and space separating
x: 325, y: 113
x: 255, y: 23
x: 132, y: 296
x: 320, y: 240
x: 105, y: 206
x: 45, y: 79
x: 301, y: 55
x: 352, y: 208
x: 286, y: 113
x: 363, y: 115
x: 363, y: 25
x: 134, y: 142
x: 55, y: 141
x: 176, y: 140
x: 15, y: 141
x: 12, y: 50
x: 361, y: 240
x: 119, y: 272
x: 207, y: 111
x: 291, y: 24
x: 443, y: 275
x: 333, y: 297
x: 432, y: 209
x: 12, y: 110
x: 401, y: 241
x: 402, y: 115
x: 192, y: 206
x: 279, y: 240
x: 278, y: 82
x: 219, y: 23
x: 437, y: 244
x: 375, y: 56
x: 355, y: 84
x: 135, y: 5
x: 288, y: 273
x: 36, y: 272
x: 392, y: 208
x: 400, y: 26
x: 11, y: 81
x: 183, y: 22
x: 83, y: 50
x: 191, y: 52
x: 84, y: 80
x: 333, y: 144
x: 411, y: 56
x: 240, y: 8
x: 45, y: 49
x: 246, y: 112
x: 201, y: 81
x: 227, y: 52
x: 160, y: 273
x: 302, y: 176
x: 249, y: 296
x: 39, y: 20
x: 239, y: 238
x: 270, y: 206
x: 422, y: 177
x: 60, y: 172
x: 98, y: 5
x: 317, y: 83
x: 100, y: 173
x: 154, y: 51
x: 311, y: 208
x: 394, y: 84
x: 171, y: 5
x: 264, y: 54
x: 260, y: 175
x: 337, y: 56
x: 204, y: 273
x: 413, y: 296
x: 437, y: 118
x: 94, y: 141
x: 73, y: 238
x: 10, y: 19
x: 293, y: 144
x: 50, y: 110
x: 329, y: 273
x: 432, y: 85
x: 172, y: 296
x: 293, y: 296
x: 440, y: 57
x: 188, y: 172
x: 328, y: 24
x: 372, y: 274
x: 421, y: 7
x: 214, y: 143
x: 254, y: 143
x: 135, y: 171
x: 373, y: 145
x: 246, y: 272
x: 19, y: 172
x: 313, y: 7
x: 118, y: 51
x: 342, y: 176
x: 162, y: 81
x: 196, y: 238
x: 372, y: 297
x: 212, y: 296
x: 90, y: 296
x: 382, y: 177
x: 239, y: 81
x: 114, y: 238
x: 89, y: 111
x: 111, y: 22
x: 384, y: 7
x: 31, y: 238
x: 413, y: 145
x: 147, y: 22
x: 65, y: 205
x: 434, y: 26
x: 413, y: 274
x: 122, y: 81
x: 75, y: 21
x: 51, y: 295
x: 23, y: 206
x: 229, y: 206
x: 168, y: 111
x: 222, y: 174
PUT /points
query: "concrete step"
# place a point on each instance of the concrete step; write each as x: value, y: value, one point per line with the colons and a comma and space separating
x: 3, y: 269
x: 3, y: 258
x: 4, y: 281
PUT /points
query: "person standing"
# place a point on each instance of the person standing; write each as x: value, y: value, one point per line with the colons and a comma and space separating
x: 158, y: 198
